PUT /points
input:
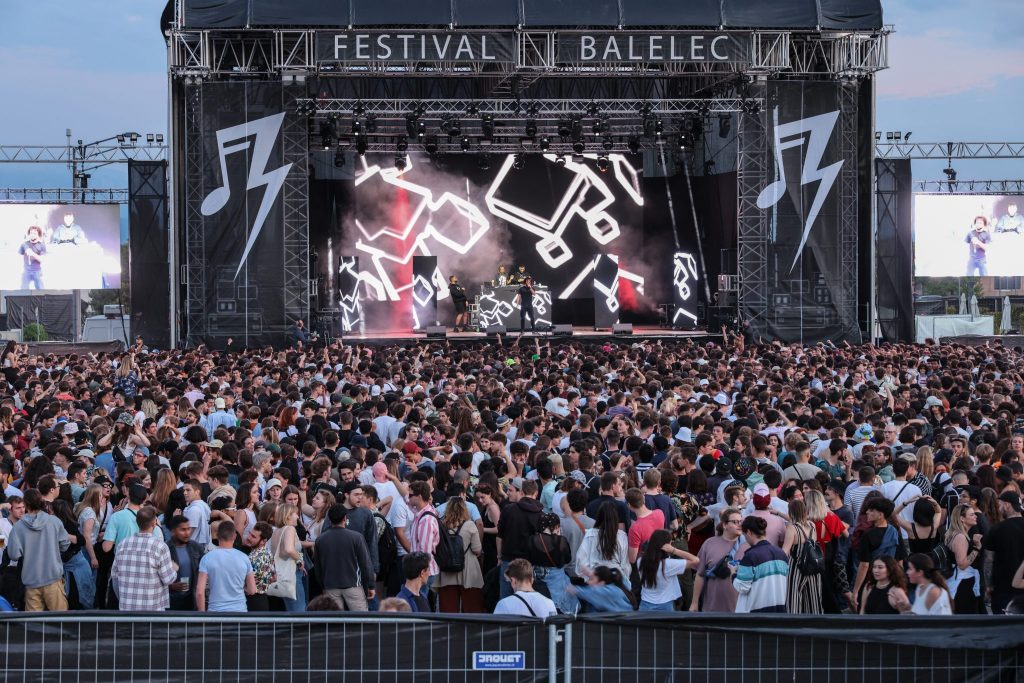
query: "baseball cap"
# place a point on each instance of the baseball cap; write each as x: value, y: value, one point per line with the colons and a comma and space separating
x: 411, y: 447
x: 761, y: 490
x: 1012, y: 499
x: 218, y: 402
x: 274, y: 482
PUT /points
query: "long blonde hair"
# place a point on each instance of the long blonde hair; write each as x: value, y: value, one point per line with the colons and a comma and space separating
x: 817, y: 509
x: 126, y: 366
x: 162, y: 489
x: 283, y: 512
x: 956, y: 524
x: 926, y: 462
x: 92, y: 498
x: 455, y: 513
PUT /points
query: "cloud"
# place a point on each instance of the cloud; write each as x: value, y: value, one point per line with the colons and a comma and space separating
x: 943, y: 62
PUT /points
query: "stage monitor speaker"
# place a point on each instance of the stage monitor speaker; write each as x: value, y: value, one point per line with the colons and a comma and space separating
x: 495, y: 330
x: 622, y: 328
x: 561, y: 330
x: 436, y: 331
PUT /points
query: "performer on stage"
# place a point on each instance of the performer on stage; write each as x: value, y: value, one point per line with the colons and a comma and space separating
x: 520, y: 276
x: 501, y: 279
x: 68, y: 232
x: 34, y: 251
x: 524, y: 299
x: 459, y: 299
x: 977, y: 240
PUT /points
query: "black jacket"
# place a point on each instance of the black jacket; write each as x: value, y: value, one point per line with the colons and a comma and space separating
x: 342, y: 559
x: 195, y: 554
x: 517, y: 523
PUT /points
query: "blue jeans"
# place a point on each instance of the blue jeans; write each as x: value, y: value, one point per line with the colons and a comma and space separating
x: 299, y: 603
x: 657, y: 606
x: 557, y: 582
x: 979, y: 263
x: 32, y: 277
x: 85, y: 579
x: 504, y: 587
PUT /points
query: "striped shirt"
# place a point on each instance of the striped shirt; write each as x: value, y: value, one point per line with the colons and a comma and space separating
x: 762, y: 579
x: 855, y: 495
x: 143, y: 570
x: 426, y: 534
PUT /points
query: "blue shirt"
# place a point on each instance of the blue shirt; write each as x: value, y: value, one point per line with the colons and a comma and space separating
x: 226, y: 569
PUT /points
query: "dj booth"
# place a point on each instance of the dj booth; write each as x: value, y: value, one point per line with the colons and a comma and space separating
x: 497, y: 306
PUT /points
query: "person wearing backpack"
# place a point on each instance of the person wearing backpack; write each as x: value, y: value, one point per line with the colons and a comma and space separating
x: 462, y: 591
x: 426, y: 530
x: 550, y: 554
x: 880, y: 540
x: 806, y: 562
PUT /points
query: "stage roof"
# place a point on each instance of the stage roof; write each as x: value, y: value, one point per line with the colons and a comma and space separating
x: 806, y: 15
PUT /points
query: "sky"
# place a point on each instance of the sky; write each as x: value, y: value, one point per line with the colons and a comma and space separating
x: 956, y: 74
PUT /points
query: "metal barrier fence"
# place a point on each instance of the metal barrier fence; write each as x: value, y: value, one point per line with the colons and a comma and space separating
x: 325, y: 646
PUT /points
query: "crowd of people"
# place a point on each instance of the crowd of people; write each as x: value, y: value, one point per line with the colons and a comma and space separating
x: 515, y: 477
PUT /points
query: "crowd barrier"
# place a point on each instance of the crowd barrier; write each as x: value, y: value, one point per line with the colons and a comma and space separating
x: 633, y: 647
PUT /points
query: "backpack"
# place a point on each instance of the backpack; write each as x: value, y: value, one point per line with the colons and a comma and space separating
x: 450, y: 553
x: 943, y: 558
x: 387, y: 544
x: 892, y: 545
x: 810, y: 560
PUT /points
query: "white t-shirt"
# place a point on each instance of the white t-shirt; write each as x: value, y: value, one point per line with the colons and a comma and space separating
x: 198, y: 514
x: 557, y: 406
x: 898, y: 492
x: 667, y: 587
x: 514, y: 604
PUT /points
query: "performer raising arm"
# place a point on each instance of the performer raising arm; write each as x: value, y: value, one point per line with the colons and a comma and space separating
x: 524, y: 299
x: 459, y: 300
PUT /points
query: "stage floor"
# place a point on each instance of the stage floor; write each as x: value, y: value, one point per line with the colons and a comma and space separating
x: 585, y: 333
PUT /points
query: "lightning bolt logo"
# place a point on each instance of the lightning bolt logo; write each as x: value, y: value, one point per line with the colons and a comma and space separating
x: 815, y: 131
x: 261, y: 134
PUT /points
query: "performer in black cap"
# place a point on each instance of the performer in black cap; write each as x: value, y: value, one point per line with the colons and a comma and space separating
x: 520, y: 276
x: 524, y: 299
x: 459, y: 300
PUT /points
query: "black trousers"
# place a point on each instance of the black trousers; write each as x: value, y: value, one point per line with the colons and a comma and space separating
x: 527, y: 310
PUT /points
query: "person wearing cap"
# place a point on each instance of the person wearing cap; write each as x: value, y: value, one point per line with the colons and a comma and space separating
x: 775, y: 523
x: 220, y: 417
x: 1004, y: 552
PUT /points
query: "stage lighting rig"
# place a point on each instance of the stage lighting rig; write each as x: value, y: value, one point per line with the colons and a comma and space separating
x: 603, y: 164
x: 361, y: 145
x: 608, y: 144
x: 704, y: 111
x: 724, y: 125
x: 403, y: 143
x: 401, y: 162
x: 577, y: 128
x: 601, y: 126
x: 359, y: 109
x: 633, y: 144
x: 452, y: 127
x: 545, y: 144
x: 593, y: 109
x: 560, y: 160
x: 339, y: 158
x: 357, y: 127
x: 410, y: 125
x: 564, y: 128
x: 531, y: 128
x: 519, y: 162
x: 327, y: 135
x: 578, y: 147
x: 431, y: 145
x: 484, y: 162
x: 472, y: 110
x: 371, y: 123
x: 487, y: 126
x: 464, y: 143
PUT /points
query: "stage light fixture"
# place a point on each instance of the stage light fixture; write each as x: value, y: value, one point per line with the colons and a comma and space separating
x: 359, y: 109
x: 371, y: 123
x: 950, y: 173
x: 134, y: 137
x: 519, y: 162
x: 577, y: 128
x: 487, y: 126
x: 878, y: 135
x: 897, y: 136
x: 339, y: 158
x: 560, y: 160
x: 464, y: 143
x: 421, y: 129
x: 160, y: 138
x: 149, y: 138
x: 645, y: 110
x: 603, y: 164
x: 633, y: 144
x: 545, y: 144
x: 659, y: 127
x: 401, y: 162
x: 326, y: 134
x: 724, y: 125
x: 357, y: 127
x: 685, y: 141
x: 431, y: 145
x: 704, y: 110
x: 888, y: 136
x: 578, y: 147
x: 906, y: 138
x: 402, y: 144
x: 120, y: 138
x: 410, y: 125
x: 531, y: 128
x: 564, y: 128
x: 533, y: 109
x: 472, y: 110
x: 361, y: 145
x: 608, y: 144
x: 600, y: 126
x: 593, y: 109
x: 484, y: 162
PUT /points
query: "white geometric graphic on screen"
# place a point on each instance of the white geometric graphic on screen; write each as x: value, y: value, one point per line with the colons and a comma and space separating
x: 589, y: 267
x: 610, y: 293
x: 265, y: 131
x: 684, y: 272
x: 601, y: 225
x: 349, y: 303
x: 427, y: 210
x: 495, y: 311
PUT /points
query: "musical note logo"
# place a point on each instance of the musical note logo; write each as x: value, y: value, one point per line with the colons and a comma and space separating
x: 261, y: 134
x: 815, y: 131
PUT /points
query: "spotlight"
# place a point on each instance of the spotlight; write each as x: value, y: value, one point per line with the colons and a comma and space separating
x: 149, y: 138
x: 519, y: 162
x: 545, y: 143
x: 421, y: 129
x: 878, y: 135
x: 484, y: 162
x: 950, y: 174
x: 401, y: 162
x: 533, y: 109
x: 608, y: 144
x: 603, y: 164
x: 685, y: 141
x: 339, y: 158
x: 906, y: 138
x: 472, y: 110
x: 359, y: 109
x: 724, y: 125
x: 704, y: 110
x: 531, y: 128
x: 487, y: 126
x: 659, y: 127
x: 898, y: 135
x: 357, y: 127
x: 431, y: 145
x: 120, y: 138
x: 578, y: 147
x: 410, y: 126
x: 160, y: 138
x: 600, y: 126
x: 371, y: 123
x: 633, y: 144
x: 452, y: 127
x: 361, y: 145
x: 403, y: 143
x: 560, y: 160
x: 564, y: 128
x: 888, y: 136
x: 134, y: 137
x: 326, y: 134
x: 593, y: 109
x: 464, y: 143
x: 577, y: 128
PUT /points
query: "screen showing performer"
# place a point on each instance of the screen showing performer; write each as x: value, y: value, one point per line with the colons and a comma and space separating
x: 967, y: 235
x: 60, y: 246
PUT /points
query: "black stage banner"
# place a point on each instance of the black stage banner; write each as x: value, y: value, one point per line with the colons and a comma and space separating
x: 148, y: 243
x: 649, y: 47
x: 807, y: 292
x: 414, y: 46
x: 894, y: 249
x: 810, y: 15
x: 243, y: 219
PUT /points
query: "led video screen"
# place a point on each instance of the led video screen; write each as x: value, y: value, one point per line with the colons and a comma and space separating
x: 60, y: 246
x: 968, y: 235
x: 551, y: 216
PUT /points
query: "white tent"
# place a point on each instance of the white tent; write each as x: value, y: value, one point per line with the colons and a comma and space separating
x: 974, y: 306
x: 963, y: 304
x: 1006, y: 320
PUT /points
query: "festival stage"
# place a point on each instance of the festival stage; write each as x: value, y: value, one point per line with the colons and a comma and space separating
x: 584, y: 334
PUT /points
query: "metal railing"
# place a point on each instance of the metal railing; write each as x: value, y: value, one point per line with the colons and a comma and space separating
x: 332, y: 646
